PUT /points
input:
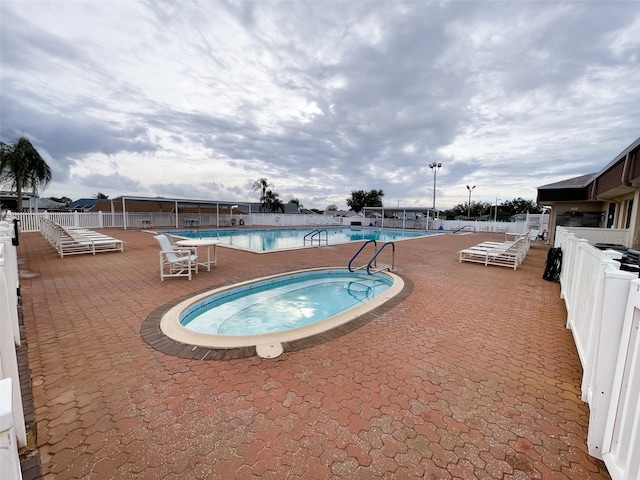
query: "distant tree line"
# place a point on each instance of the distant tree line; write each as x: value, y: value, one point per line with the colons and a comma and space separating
x: 487, y: 210
x: 270, y: 201
x: 360, y: 199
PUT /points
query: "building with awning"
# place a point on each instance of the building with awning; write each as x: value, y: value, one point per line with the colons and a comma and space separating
x: 188, y: 212
x: 609, y: 198
x: 30, y: 202
x: 401, y: 215
x: 183, y: 211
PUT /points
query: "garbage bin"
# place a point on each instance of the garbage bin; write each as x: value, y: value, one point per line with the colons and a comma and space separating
x: 15, y: 241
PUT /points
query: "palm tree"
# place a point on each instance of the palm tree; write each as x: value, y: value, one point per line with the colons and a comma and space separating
x: 272, y: 203
x: 297, y: 203
x: 261, y: 185
x: 277, y: 205
x: 22, y: 166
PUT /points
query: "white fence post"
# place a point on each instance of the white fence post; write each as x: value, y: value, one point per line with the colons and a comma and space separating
x: 585, y: 304
x: 603, y: 313
x: 8, y: 357
x: 9, y: 257
x: 9, y: 457
x: 606, y: 332
x: 621, y: 449
x: 572, y: 269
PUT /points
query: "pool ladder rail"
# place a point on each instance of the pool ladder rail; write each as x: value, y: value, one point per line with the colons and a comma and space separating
x: 364, y: 287
x: 373, y: 261
x: 316, y: 235
x: 462, y: 228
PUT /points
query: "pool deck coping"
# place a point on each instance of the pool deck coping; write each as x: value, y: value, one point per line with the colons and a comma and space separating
x: 162, y: 330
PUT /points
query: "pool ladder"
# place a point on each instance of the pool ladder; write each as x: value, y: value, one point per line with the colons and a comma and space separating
x: 373, y: 262
x: 316, y: 235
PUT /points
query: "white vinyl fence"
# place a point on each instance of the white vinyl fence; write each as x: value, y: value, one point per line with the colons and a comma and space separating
x: 12, y: 425
x: 30, y: 222
x: 603, y: 313
x: 290, y: 220
x: 532, y: 221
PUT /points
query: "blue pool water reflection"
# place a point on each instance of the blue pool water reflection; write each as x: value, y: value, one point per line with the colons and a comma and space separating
x: 283, y: 303
x: 265, y: 240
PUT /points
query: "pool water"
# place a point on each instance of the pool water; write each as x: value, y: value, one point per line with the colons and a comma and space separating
x: 265, y: 240
x: 283, y: 303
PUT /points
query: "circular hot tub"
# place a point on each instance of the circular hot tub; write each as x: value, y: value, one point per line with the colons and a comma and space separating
x: 282, y: 308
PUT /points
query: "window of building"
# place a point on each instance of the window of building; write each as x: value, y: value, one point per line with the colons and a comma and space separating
x: 611, y: 215
x: 628, y: 208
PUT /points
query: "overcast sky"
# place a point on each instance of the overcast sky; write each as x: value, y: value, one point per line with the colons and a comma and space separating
x: 198, y: 99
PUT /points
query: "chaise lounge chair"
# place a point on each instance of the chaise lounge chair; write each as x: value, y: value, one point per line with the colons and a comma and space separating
x: 176, y: 261
x: 73, y: 241
x: 504, y: 255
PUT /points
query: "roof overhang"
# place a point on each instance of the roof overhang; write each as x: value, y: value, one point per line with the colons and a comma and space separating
x: 621, y: 176
x: 424, y: 210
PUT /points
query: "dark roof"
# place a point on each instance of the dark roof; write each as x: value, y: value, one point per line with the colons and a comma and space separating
x: 83, y: 203
x: 163, y: 204
x: 575, y: 182
x: 607, y: 181
x: 44, y: 204
x: 144, y: 205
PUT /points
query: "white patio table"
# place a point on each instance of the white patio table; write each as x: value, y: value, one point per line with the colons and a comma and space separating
x: 203, y: 242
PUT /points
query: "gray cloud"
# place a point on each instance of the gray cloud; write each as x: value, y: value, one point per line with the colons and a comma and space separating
x: 103, y: 183
x: 322, y: 98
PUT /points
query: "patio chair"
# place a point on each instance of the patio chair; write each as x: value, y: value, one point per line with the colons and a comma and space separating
x: 534, y: 236
x: 176, y: 261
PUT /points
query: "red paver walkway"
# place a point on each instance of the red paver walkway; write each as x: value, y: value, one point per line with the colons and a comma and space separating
x: 472, y: 376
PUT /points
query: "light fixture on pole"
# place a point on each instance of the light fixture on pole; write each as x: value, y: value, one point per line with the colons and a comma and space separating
x: 435, y: 167
x: 469, y: 207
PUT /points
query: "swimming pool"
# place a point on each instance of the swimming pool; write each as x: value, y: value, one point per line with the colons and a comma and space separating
x: 266, y: 240
x: 281, y: 308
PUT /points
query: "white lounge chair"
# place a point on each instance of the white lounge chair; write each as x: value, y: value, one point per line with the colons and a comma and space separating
x: 502, y: 255
x: 73, y: 241
x: 176, y: 261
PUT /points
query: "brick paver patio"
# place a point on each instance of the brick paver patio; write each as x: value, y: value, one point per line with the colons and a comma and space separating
x: 473, y: 375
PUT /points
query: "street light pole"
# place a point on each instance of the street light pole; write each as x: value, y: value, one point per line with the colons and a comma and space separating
x: 495, y: 215
x: 469, y: 208
x: 435, y: 167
